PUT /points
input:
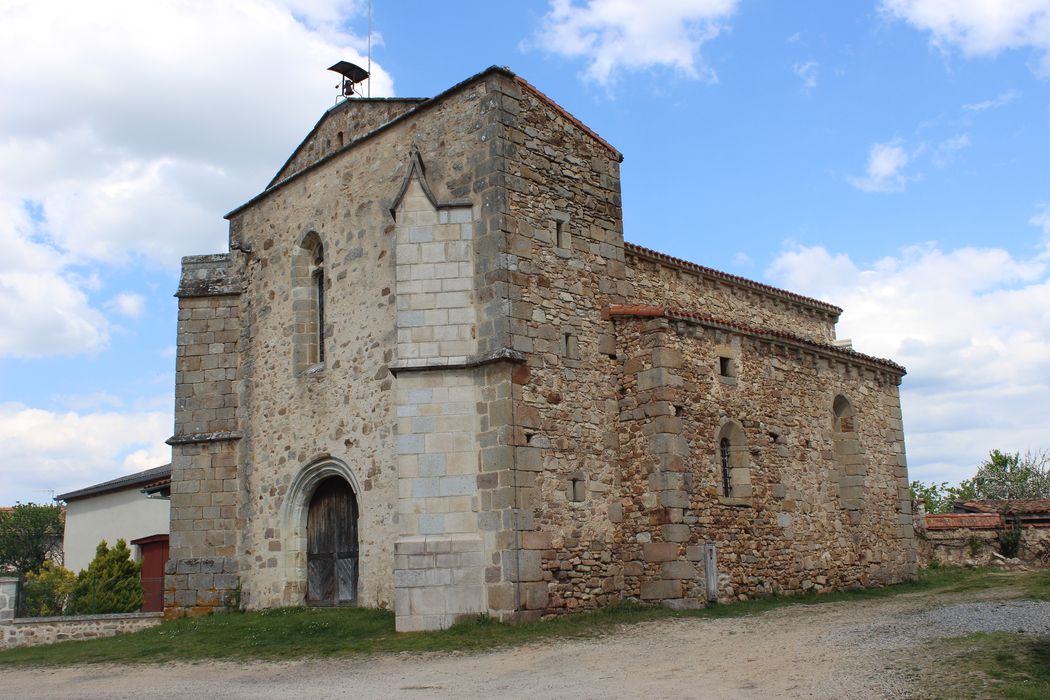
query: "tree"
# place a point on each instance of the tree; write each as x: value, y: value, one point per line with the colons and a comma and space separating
x: 939, y: 498
x: 1005, y: 476
x: 110, y: 584
x: 46, y: 592
x: 1001, y: 476
x: 29, y: 535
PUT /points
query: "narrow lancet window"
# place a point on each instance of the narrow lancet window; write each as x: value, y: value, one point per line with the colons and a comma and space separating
x: 727, y: 474
x: 318, y: 275
x: 308, y: 304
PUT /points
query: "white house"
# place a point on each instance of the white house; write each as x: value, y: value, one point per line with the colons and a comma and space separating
x: 128, y: 508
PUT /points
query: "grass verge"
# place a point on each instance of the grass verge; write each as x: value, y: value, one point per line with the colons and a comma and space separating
x: 999, y: 664
x: 286, y: 633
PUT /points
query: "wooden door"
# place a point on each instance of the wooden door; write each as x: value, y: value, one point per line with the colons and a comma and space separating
x: 154, y: 551
x: 331, y: 533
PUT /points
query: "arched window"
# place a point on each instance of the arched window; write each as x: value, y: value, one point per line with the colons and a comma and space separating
x: 727, y: 471
x: 308, y: 303
x: 843, y: 410
x: 732, y: 465
x: 318, y: 276
x: 851, y: 464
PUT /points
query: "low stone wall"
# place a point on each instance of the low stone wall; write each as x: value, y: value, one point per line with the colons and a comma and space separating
x: 972, y: 540
x: 957, y: 547
x: 31, y: 631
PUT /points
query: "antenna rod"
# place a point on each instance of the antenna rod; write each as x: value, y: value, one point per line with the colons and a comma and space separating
x: 370, y: 45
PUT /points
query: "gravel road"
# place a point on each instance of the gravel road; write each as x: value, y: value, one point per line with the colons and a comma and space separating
x: 868, y: 649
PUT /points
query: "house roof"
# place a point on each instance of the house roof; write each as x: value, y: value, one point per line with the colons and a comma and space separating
x: 734, y: 279
x: 423, y: 105
x: 1019, y: 506
x: 139, y: 480
x: 711, y: 321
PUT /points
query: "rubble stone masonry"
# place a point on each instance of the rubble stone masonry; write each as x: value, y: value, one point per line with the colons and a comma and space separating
x: 529, y: 413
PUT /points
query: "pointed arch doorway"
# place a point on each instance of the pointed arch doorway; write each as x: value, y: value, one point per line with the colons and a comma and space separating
x: 332, y: 549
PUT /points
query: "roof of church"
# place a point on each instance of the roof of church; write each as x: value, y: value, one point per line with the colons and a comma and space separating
x: 140, y: 479
x: 647, y: 311
x: 711, y: 272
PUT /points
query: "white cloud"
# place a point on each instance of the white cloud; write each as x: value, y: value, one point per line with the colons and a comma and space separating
x: 980, y: 27
x: 94, y: 400
x: 886, y: 161
x: 971, y: 325
x: 133, y: 127
x: 807, y: 73
x: 622, y: 35
x: 43, y: 310
x: 1042, y: 220
x: 999, y: 100
x: 945, y: 151
x: 127, y: 304
x: 42, y: 449
x: 136, y: 141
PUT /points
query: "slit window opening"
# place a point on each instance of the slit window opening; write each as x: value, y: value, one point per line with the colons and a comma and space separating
x: 727, y: 479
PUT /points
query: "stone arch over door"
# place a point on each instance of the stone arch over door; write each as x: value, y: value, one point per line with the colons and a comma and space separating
x: 324, y: 479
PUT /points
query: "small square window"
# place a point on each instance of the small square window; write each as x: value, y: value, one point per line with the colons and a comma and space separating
x: 577, y: 490
x: 571, y: 346
x: 562, y: 237
x: 725, y: 366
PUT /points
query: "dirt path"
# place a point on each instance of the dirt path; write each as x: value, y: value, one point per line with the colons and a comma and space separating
x: 869, y: 649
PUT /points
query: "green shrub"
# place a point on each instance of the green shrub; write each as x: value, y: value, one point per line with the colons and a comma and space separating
x: 46, y: 592
x: 1009, y: 537
x: 110, y: 584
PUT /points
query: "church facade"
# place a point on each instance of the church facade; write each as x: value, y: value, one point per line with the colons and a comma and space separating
x: 430, y: 375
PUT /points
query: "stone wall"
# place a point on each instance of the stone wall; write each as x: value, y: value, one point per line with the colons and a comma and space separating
x: 564, y: 258
x: 956, y: 547
x: 784, y: 528
x: 33, y: 631
x: 949, y: 545
x: 202, y: 571
x: 342, y: 125
x: 664, y: 281
x: 8, y: 597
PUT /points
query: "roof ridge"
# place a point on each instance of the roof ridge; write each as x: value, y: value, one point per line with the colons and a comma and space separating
x: 680, y: 262
x: 146, y: 475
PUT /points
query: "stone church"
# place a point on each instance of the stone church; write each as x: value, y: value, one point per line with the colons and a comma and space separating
x: 430, y: 375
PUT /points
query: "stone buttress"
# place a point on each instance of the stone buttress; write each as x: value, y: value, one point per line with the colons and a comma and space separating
x: 202, y: 571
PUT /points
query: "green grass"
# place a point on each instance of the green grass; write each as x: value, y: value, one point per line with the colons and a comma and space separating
x: 1000, y: 665
x: 299, y: 632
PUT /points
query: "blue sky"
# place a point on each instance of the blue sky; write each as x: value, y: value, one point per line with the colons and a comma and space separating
x: 887, y: 156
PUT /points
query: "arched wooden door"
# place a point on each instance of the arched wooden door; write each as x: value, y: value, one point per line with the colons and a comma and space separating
x: 331, y: 555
